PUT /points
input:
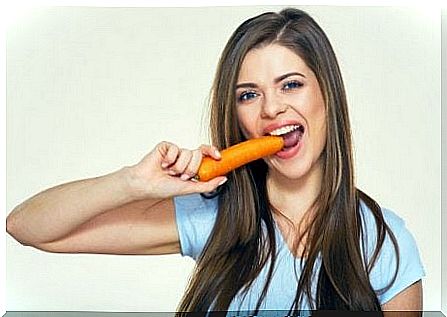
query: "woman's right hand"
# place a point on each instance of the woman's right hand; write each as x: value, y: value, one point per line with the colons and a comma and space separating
x: 129, y: 211
x: 169, y: 171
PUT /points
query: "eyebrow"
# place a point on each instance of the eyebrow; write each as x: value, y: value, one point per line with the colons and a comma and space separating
x: 276, y: 80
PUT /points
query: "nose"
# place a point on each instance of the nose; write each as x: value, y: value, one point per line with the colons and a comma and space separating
x: 272, y: 106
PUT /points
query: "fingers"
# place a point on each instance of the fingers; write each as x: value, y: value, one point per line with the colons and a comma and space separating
x: 169, y: 171
x: 212, y: 184
x: 182, y: 165
x: 193, y: 186
x: 193, y: 165
x: 183, y: 162
x: 169, y: 153
x: 209, y: 150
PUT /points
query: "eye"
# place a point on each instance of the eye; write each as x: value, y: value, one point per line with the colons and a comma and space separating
x: 290, y: 85
x: 246, y: 96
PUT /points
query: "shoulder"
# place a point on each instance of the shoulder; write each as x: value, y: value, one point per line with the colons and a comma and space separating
x: 391, y: 218
x: 197, y: 203
x: 397, y: 266
x: 195, y: 216
x: 397, y: 229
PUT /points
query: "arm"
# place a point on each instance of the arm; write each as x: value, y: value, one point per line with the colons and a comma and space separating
x: 407, y: 303
x: 130, y: 211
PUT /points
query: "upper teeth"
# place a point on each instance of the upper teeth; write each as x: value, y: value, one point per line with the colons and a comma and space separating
x: 285, y: 129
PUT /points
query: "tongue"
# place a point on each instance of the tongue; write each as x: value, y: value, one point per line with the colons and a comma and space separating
x: 292, y: 138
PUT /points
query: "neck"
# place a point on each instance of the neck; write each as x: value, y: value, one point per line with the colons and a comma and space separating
x: 294, y: 197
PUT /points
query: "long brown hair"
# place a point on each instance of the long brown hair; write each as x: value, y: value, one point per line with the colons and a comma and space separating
x: 243, y: 242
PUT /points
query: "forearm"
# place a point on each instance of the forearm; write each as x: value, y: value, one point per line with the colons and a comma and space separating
x: 132, y: 206
x: 55, y: 212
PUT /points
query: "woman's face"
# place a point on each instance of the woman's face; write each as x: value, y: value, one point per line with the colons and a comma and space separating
x: 277, y: 94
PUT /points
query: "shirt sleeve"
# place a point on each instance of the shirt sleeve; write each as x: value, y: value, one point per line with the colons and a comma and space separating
x: 195, y: 216
x: 410, y: 268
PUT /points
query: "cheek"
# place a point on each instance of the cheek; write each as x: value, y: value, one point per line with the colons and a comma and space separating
x: 319, y: 112
x: 245, y: 123
x: 320, y: 127
x: 323, y: 133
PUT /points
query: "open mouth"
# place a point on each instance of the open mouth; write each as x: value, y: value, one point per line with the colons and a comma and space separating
x: 291, y: 135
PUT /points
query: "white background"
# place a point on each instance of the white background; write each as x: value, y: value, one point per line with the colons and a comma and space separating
x: 90, y: 90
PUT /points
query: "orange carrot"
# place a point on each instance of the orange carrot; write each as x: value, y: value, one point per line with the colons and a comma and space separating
x: 237, y: 155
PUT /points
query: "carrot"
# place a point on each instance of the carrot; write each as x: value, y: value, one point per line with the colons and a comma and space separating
x: 237, y: 155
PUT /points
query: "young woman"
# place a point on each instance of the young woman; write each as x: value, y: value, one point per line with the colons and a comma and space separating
x: 288, y: 232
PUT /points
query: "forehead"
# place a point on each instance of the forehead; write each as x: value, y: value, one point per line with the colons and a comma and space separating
x: 270, y: 61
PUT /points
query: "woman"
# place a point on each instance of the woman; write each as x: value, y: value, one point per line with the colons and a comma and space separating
x: 289, y: 232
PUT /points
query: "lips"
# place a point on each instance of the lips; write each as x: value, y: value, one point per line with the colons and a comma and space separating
x: 281, y: 128
x: 292, y: 133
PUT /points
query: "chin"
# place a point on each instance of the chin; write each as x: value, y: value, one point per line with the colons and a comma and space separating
x: 296, y: 172
x: 293, y: 173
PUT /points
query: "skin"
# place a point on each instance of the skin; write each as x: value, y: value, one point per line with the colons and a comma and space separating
x: 267, y: 101
x: 133, y: 207
x: 409, y: 299
x: 294, y: 183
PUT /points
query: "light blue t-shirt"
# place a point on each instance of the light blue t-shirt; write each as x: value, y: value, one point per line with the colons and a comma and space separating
x: 196, y: 215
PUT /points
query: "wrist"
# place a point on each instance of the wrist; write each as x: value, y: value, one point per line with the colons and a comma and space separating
x: 132, y: 184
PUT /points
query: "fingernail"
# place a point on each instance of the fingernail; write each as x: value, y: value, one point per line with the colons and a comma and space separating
x: 217, y: 153
x: 164, y: 164
x: 184, y: 177
x: 194, y: 179
x: 222, y: 181
x: 171, y: 172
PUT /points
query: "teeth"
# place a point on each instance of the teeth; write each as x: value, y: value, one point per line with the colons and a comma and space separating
x: 284, y: 130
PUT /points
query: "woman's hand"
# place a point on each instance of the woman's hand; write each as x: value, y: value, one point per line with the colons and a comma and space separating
x: 169, y: 171
x: 94, y: 215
